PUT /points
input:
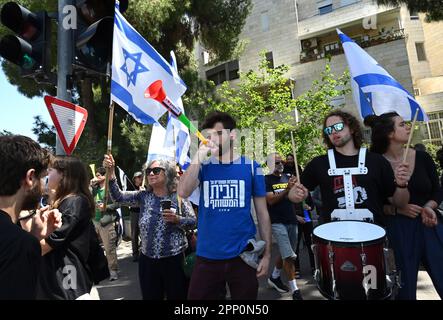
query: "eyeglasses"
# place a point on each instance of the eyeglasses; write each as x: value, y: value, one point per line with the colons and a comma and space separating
x: 339, y: 126
x: 156, y: 171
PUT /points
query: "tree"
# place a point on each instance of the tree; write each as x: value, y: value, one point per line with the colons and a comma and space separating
x: 263, y: 100
x: 167, y: 25
x: 432, y: 8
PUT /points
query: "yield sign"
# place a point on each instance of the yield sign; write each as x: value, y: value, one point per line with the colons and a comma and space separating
x: 69, y: 120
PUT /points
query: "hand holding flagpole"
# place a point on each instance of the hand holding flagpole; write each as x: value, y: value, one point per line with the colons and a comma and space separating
x: 156, y: 91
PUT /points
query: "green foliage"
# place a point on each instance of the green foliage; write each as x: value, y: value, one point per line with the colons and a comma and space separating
x: 167, y: 25
x: 262, y: 100
x: 432, y: 8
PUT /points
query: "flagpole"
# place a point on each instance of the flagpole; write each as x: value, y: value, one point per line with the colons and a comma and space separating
x: 405, y: 154
x: 109, y: 149
x: 295, y: 158
x: 176, y: 162
x: 109, y: 141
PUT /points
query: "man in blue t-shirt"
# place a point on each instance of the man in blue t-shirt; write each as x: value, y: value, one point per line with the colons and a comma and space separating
x: 228, y: 182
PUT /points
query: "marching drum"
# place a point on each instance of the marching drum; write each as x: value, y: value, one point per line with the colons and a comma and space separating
x: 350, y: 261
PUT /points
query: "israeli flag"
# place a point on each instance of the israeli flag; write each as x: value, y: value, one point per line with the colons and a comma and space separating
x: 177, y: 134
x: 157, y: 146
x: 375, y: 91
x: 135, y: 65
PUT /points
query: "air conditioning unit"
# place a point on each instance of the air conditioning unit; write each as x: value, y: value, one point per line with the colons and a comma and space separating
x: 309, y: 43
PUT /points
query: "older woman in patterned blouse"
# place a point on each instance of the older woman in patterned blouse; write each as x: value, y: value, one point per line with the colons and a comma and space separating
x: 162, y: 232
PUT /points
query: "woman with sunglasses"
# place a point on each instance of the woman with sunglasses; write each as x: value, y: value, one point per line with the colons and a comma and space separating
x: 413, y: 230
x: 65, y: 273
x: 164, y: 242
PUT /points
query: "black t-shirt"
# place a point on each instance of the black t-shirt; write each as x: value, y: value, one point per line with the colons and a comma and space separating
x: 370, y: 190
x: 281, y: 212
x: 423, y: 185
x: 70, y: 250
x: 20, y: 256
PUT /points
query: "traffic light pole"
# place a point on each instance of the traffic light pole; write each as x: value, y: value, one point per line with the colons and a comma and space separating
x: 64, y: 62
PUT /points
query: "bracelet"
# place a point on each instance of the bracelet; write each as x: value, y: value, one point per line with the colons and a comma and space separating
x: 400, y: 186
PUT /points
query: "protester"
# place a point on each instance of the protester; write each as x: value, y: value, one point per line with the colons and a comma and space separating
x: 163, y: 236
x: 104, y: 221
x: 289, y: 165
x: 413, y: 229
x: 284, y: 223
x: 342, y: 133
x: 137, y: 180
x: 23, y: 165
x: 65, y: 274
x: 226, y: 248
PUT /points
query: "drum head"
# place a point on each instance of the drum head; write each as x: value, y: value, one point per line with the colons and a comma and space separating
x: 349, y: 232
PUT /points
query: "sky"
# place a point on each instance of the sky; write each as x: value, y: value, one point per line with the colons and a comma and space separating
x: 17, y: 111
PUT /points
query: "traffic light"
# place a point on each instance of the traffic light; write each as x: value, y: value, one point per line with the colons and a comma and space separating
x: 30, y: 47
x: 93, y: 37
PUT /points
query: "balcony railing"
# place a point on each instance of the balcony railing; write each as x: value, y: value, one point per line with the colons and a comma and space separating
x: 364, y: 41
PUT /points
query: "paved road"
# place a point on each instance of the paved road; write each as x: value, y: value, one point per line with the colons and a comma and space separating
x: 127, y: 287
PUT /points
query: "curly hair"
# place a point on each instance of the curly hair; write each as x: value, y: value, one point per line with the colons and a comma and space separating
x: 351, y: 122
x: 381, y: 126
x: 170, y: 174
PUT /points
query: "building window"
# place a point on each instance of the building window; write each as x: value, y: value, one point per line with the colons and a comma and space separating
x: 416, y: 91
x: 420, y: 48
x: 270, y: 59
x: 413, y: 15
x: 223, y: 72
x: 264, y: 22
x: 325, y: 9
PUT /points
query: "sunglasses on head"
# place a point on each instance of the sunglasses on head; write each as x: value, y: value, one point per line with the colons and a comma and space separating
x: 156, y: 171
x: 339, y: 126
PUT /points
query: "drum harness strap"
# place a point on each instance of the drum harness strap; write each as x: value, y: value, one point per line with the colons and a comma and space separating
x: 349, y: 198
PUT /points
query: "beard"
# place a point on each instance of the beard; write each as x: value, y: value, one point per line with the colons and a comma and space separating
x: 32, y: 197
x: 343, y: 141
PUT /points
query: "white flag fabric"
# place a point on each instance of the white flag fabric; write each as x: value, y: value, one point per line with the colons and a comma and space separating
x: 177, y: 134
x: 123, y: 178
x: 157, y: 148
x: 375, y: 91
x: 135, y: 65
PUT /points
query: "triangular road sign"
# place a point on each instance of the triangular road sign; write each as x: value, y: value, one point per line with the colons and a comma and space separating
x: 69, y: 120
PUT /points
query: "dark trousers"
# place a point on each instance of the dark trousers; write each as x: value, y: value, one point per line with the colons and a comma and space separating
x: 135, y: 232
x: 414, y: 243
x: 209, y: 279
x: 305, y: 231
x: 162, y: 278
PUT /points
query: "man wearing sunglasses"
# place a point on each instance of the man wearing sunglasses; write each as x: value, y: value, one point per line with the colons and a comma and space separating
x: 342, y: 133
x: 228, y: 182
x: 284, y: 224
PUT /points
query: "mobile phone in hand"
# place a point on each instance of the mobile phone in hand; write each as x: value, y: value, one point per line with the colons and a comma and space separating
x: 165, y: 205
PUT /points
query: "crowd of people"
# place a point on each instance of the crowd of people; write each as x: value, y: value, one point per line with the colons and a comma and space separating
x: 52, y: 251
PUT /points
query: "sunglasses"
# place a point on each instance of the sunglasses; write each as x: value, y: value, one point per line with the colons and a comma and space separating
x: 156, y: 171
x: 339, y: 126
x: 277, y: 163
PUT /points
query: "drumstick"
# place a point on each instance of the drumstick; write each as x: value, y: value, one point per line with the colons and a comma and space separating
x: 405, y: 154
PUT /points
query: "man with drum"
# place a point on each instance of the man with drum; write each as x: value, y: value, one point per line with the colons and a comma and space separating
x: 354, y: 185
x: 342, y: 133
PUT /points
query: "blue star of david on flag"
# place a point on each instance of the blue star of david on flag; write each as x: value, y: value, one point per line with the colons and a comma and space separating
x: 138, y: 66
